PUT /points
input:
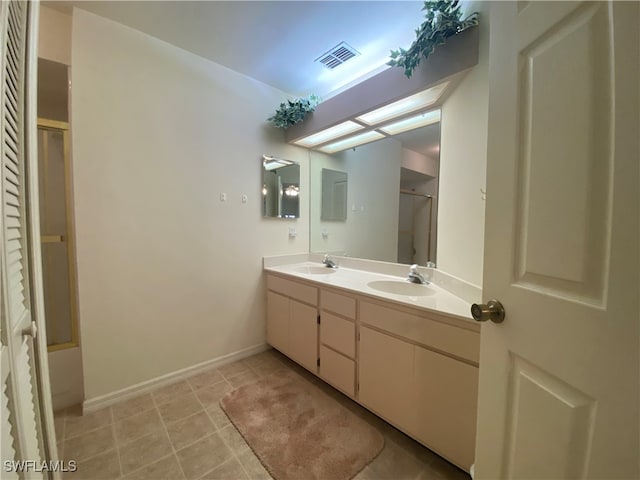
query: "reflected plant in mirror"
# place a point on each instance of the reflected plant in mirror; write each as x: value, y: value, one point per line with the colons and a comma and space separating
x: 280, y: 188
x: 390, y: 205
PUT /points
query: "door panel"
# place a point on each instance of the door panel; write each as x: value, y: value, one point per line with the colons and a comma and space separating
x: 303, y: 335
x: 278, y: 321
x: 559, y: 390
x: 570, y: 162
x: 385, y: 369
x: 447, y: 397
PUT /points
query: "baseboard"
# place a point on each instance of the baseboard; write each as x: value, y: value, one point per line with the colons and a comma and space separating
x: 109, y: 399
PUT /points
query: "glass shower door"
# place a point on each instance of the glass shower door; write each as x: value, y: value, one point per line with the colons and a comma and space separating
x: 55, y: 229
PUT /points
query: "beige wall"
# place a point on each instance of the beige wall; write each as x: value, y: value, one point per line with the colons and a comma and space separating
x: 169, y: 276
x: 54, y: 42
x: 463, y: 162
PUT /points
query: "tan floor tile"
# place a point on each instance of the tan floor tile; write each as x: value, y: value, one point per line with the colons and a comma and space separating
x: 133, y: 406
x: 104, y: 466
x: 166, y: 469
x: 75, y: 425
x: 83, y: 447
x: 394, y: 464
x: 218, y: 416
x: 440, y: 468
x: 137, y: 426
x: 233, y: 439
x: 229, y: 470
x: 169, y: 393
x: 203, y: 456
x: 210, y: 396
x: 180, y: 408
x: 261, y: 358
x: 364, y: 474
x: 274, y: 368
x: 231, y: 369
x: 243, y: 378
x: 188, y: 430
x: 205, y: 379
x: 252, y: 466
x: 144, y: 451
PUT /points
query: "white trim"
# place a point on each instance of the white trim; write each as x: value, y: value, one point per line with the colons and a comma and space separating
x: 109, y: 399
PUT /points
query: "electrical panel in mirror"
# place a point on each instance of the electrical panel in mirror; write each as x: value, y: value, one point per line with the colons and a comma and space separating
x: 280, y: 187
x: 334, y: 195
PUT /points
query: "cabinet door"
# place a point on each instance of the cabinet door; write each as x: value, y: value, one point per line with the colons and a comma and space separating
x: 386, y: 376
x: 446, y: 397
x: 303, y: 335
x: 278, y: 321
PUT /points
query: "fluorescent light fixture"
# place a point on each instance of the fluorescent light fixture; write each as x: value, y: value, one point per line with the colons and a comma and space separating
x: 270, y: 162
x: 350, y: 142
x: 329, y: 134
x: 411, y: 123
x: 406, y: 105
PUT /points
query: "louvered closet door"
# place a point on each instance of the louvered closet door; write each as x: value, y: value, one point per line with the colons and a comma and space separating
x: 21, y: 426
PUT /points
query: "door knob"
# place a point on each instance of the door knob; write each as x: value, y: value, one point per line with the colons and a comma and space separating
x: 493, y: 310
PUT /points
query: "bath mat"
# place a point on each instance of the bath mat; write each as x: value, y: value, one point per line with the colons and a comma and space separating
x: 300, y: 433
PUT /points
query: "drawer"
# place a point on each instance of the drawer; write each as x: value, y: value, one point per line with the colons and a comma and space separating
x: 338, y: 333
x: 457, y: 341
x: 338, y: 370
x: 298, y: 291
x: 336, y: 303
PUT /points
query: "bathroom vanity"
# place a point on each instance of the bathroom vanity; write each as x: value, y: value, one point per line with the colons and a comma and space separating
x: 409, y: 353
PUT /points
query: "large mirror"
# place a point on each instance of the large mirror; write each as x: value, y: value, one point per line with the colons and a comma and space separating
x: 280, y: 187
x: 391, y: 199
x: 334, y: 195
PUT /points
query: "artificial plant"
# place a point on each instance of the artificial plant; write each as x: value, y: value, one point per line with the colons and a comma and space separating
x: 294, y: 111
x: 443, y: 19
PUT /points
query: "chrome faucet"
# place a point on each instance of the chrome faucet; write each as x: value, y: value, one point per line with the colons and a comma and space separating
x: 328, y: 262
x: 415, y: 276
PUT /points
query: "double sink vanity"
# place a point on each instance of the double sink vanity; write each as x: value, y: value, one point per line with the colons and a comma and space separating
x: 407, y: 352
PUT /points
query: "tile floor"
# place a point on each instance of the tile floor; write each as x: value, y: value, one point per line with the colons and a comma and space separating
x: 180, y: 432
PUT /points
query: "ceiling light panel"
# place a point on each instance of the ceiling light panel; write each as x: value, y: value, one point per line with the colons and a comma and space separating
x: 407, y: 105
x: 411, y: 123
x: 328, y: 134
x: 351, y: 142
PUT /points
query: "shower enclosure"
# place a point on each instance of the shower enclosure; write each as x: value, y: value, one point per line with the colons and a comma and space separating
x: 56, y: 234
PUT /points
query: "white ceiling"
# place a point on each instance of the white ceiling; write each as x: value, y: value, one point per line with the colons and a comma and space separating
x: 275, y: 42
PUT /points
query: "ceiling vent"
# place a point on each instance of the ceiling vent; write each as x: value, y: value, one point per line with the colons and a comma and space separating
x: 337, y: 55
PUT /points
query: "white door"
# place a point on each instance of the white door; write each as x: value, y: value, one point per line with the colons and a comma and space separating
x: 559, y: 379
x: 25, y: 402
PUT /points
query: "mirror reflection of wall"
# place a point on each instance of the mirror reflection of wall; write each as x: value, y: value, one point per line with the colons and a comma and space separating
x: 381, y: 223
x: 280, y: 188
x: 334, y: 195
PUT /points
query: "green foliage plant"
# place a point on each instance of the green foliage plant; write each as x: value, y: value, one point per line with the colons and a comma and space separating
x: 293, y: 111
x: 443, y: 19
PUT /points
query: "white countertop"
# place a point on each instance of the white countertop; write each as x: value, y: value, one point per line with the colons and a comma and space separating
x: 357, y: 280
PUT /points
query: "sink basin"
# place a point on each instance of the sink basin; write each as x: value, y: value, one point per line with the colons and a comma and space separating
x: 398, y: 287
x: 315, y: 270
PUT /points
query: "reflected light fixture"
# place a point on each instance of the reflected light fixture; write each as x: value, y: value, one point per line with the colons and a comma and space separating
x: 351, y: 142
x: 269, y: 162
x: 411, y: 123
x: 406, y: 105
x: 329, y: 134
x: 292, y: 191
